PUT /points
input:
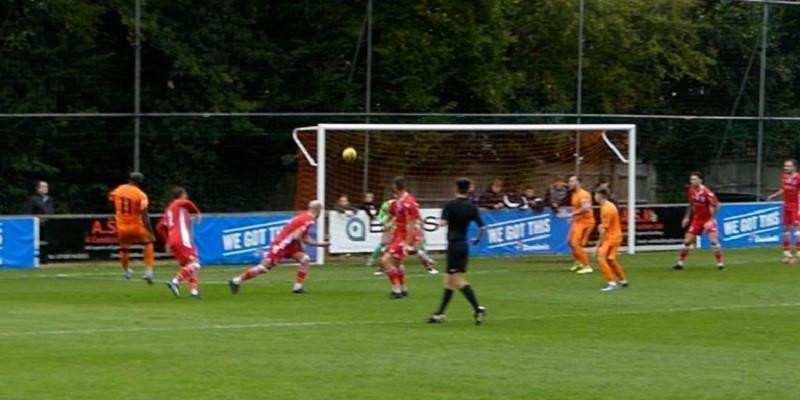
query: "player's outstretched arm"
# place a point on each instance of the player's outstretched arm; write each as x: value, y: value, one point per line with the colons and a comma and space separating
x: 776, y: 194
x: 311, y: 242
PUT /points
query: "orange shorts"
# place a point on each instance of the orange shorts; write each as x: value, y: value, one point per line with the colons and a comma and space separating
x: 579, y: 234
x: 132, y: 234
x: 608, y: 251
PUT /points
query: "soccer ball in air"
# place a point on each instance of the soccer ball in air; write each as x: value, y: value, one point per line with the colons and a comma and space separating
x: 349, y: 154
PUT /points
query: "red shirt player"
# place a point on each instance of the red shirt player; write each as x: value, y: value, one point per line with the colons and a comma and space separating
x: 405, y: 212
x: 700, y: 217
x: 287, y: 244
x: 175, y: 229
x: 790, y: 189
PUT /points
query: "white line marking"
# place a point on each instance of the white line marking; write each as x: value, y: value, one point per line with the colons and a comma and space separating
x: 291, y: 324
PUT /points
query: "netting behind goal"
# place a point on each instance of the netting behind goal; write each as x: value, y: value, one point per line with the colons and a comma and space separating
x: 431, y: 160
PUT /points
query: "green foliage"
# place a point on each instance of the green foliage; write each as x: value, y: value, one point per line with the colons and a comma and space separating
x: 665, y: 56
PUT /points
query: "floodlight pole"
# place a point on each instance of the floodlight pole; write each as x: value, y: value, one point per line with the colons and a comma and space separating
x: 137, y: 83
x: 761, y: 104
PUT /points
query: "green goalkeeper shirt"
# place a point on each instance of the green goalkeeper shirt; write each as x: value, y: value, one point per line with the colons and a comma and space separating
x: 383, y: 214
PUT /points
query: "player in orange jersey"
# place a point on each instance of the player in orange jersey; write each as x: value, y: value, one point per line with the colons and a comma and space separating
x: 582, y: 219
x: 133, y: 223
x: 610, y: 239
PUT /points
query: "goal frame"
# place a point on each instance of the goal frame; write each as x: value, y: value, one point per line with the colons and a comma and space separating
x: 323, y: 129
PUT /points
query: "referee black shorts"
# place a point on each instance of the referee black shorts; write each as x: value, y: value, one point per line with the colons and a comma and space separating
x: 457, y: 257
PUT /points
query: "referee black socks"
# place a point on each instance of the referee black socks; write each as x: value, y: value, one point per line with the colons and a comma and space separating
x: 448, y: 294
x: 470, y: 295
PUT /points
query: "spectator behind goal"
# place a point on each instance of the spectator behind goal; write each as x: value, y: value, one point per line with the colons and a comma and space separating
x: 491, y: 198
x: 369, y: 206
x: 343, y: 206
x: 531, y: 201
x: 557, y: 194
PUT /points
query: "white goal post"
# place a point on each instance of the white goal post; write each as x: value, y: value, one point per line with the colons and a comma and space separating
x: 323, y: 130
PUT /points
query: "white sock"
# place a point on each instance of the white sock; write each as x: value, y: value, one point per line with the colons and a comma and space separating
x: 396, y: 289
x: 297, y: 285
x: 237, y: 280
x: 175, y: 281
x: 787, y: 253
x: 148, y: 273
x: 194, y: 292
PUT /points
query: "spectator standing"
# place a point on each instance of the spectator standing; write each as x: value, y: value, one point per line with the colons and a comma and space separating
x: 40, y: 203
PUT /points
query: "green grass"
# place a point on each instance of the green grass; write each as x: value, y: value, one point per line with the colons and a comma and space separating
x: 85, y: 333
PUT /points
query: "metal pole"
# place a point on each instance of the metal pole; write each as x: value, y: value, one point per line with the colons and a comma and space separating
x: 579, y: 87
x: 761, y: 103
x: 321, y: 193
x: 368, y: 106
x: 137, y: 70
x: 632, y: 191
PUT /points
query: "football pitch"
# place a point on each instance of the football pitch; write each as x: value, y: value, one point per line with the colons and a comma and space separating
x: 86, y: 333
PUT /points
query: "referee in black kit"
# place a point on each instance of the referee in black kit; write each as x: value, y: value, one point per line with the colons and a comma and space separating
x: 458, y: 213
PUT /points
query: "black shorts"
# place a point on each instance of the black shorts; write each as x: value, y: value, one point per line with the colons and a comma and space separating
x: 457, y: 257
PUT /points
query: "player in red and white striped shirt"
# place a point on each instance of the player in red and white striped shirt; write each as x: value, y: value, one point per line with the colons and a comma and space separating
x: 175, y: 229
x: 790, y: 190
x: 287, y: 244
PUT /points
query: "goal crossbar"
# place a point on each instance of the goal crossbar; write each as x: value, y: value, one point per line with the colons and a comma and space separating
x: 323, y: 129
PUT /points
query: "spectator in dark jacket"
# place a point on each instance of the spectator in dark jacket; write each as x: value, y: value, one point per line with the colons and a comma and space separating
x: 369, y: 206
x: 531, y: 201
x: 513, y: 199
x: 557, y: 194
x: 491, y: 198
x: 343, y: 206
x: 40, y: 203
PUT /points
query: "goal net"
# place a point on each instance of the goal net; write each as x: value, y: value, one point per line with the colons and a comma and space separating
x: 431, y: 157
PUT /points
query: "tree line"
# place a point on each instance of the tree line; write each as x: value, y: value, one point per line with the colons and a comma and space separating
x: 447, y: 56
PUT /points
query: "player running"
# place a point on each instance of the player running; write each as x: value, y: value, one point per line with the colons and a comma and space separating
x: 287, y: 244
x: 790, y: 190
x: 458, y: 214
x: 610, y: 239
x: 582, y: 219
x: 405, y: 212
x: 700, y: 217
x: 133, y: 224
x: 175, y: 229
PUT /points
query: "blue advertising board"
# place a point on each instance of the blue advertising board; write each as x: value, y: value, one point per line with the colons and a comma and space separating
x: 239, y: 239
x: 521, y: 232
x: 748, y: 225
x: 19, y: 242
